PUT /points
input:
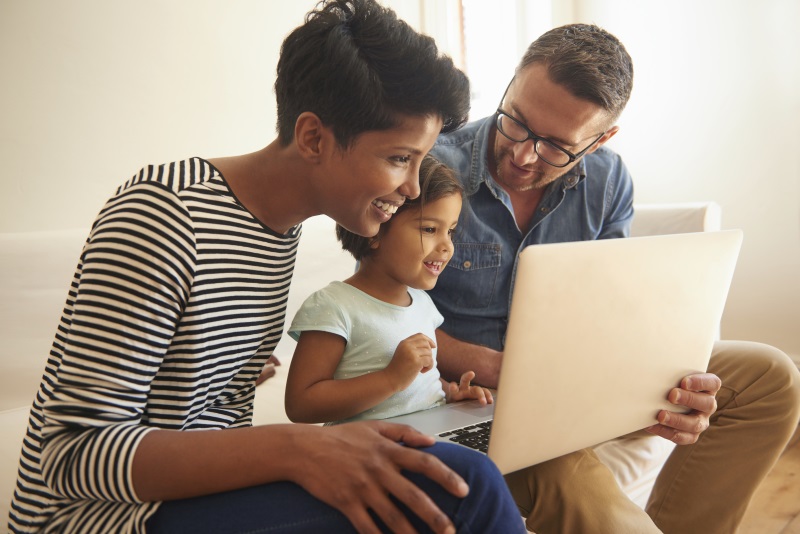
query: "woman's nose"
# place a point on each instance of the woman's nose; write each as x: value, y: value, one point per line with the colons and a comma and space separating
x: 410, y: 187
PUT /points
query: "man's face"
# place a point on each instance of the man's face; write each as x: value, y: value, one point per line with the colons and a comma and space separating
x: 362, y: 186
x: 552, y: 112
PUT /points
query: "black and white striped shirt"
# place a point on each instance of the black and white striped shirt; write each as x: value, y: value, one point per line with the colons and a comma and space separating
x: 177, y: 301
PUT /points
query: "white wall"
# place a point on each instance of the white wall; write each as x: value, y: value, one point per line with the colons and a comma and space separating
x: 715, y: 115
x: 91, y: 90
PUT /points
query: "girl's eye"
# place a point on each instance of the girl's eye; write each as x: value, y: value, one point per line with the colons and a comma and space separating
x: 451, y: 231
x: 428, y: 230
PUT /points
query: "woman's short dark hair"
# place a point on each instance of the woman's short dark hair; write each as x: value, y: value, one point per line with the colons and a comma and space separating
x: 588, y: 61
x: 436, y: 180
x: 359, y: 68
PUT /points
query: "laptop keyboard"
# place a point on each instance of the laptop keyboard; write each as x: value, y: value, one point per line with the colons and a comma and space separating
x: 473, y: 436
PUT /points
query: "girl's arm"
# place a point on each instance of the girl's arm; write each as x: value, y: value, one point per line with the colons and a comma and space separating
x: 312, y: 394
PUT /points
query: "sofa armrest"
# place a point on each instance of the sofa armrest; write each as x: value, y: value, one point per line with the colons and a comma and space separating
x: 676, y: 218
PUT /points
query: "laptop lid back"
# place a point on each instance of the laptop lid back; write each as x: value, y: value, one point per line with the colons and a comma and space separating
x: 599, y: 332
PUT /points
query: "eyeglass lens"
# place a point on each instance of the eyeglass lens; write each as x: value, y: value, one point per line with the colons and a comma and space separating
x: 545, y: 150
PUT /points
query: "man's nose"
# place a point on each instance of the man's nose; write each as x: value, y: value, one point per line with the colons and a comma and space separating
x: 525, y: 153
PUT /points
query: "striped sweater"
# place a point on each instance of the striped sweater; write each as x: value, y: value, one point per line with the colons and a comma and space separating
x: 178, y: 300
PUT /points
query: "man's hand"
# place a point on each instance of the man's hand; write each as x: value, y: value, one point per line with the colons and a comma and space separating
x: 463, y: 390
x: 697, y: 393
x: 355, y: 467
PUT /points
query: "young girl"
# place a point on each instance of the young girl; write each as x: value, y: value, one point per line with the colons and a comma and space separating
x: 366, y: 346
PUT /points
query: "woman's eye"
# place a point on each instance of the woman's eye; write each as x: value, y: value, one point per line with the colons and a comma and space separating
x: 402, y: 159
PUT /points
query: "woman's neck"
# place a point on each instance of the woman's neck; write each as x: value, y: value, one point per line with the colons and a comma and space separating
x: 270, y: 183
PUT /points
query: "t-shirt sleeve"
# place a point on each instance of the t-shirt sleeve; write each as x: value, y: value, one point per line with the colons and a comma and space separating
x: 130, y: 290
x: 321, y: 312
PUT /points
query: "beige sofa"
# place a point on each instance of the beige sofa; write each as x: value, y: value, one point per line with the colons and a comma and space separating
x: 37, y: 268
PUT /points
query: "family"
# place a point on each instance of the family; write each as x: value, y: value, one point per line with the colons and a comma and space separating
x: 142, y: 421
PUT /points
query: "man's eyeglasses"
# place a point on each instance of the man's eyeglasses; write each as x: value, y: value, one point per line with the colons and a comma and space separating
x: 547, y: 150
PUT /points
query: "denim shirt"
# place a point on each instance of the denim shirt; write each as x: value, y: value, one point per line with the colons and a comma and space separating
x: 593, y: 200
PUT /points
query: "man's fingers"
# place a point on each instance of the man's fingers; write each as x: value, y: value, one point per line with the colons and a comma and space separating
x: 700, y: 401
x: 693, y: 423
x: 676, y: 436
x: 702, y: 382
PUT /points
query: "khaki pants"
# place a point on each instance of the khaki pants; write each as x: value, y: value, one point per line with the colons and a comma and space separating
x: 703, y: 488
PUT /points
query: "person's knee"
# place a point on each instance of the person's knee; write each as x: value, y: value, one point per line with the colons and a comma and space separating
x: 778, y: 370
x: 754, y: 372
x: 488, y: 507
x: 469, y: 464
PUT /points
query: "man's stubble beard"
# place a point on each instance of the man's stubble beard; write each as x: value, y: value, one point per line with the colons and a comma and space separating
x: 540, y: 181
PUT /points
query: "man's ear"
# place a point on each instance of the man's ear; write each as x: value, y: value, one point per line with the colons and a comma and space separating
x: 309, y: 134
x: 611, y: 132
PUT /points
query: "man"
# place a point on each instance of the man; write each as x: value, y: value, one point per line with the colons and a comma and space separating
x: 538, y: 172
x: 142, y: 421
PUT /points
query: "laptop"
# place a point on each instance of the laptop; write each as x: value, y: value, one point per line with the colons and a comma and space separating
x: 598, y: 334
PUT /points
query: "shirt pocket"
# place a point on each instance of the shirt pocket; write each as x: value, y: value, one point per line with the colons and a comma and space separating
x: 474, y: 275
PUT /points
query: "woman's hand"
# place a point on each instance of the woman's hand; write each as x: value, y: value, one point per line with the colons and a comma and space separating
x: 356, y: 467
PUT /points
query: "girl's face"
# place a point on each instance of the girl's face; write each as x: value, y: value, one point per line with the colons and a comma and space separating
x: 362, y: 187
x: 415, y: 247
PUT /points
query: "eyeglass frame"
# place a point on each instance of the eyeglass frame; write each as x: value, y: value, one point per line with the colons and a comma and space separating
x: 536, y: 138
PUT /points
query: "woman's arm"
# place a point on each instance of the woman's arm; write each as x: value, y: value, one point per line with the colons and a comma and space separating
x: 353, y: 467
x: 312, y: 394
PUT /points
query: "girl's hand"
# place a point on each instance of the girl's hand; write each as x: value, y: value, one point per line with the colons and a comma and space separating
x: 463, y: 390
x: 413, y: 355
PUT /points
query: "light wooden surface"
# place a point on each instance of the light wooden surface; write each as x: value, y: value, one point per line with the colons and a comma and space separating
x: 775, y: 508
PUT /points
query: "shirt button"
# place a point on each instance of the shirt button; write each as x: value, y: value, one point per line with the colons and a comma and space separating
x: 544, y: 209
x: 467, y: 264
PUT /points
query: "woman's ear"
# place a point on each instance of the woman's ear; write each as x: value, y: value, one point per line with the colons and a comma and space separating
x: 309, y: 133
